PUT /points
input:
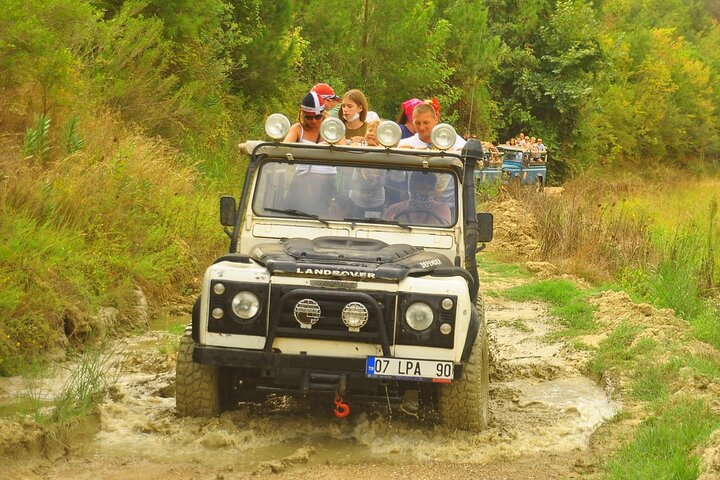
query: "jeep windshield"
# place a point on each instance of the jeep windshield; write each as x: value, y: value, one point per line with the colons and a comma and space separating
x: 392, y: 196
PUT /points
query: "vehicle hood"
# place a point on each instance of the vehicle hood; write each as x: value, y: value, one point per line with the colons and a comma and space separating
x: 342, y: 257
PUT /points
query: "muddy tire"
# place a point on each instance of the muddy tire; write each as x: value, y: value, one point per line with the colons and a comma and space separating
x: 197, y: 387
x: 464, y: 404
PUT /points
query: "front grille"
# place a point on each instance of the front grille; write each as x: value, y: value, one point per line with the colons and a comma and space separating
x: 379, y: 327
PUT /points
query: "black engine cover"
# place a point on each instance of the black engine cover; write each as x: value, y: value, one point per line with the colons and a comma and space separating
x: 347, y: 257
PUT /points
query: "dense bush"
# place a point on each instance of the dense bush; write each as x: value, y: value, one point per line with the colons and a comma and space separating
x: 119, y: 119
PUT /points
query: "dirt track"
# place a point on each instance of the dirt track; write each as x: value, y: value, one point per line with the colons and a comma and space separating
x: 544, y: 413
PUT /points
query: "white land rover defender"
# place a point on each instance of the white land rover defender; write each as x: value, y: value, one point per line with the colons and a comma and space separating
x: 351, y: 274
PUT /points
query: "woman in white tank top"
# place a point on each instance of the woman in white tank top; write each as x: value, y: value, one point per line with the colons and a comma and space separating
x: 312, y: 113
x: 314, y: 185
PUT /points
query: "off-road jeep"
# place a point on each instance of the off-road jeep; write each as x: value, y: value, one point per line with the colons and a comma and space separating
x: 351, y: 274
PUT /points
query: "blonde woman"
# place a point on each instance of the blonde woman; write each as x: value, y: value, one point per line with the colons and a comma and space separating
x: 354, y: 112
x: 311, y: 115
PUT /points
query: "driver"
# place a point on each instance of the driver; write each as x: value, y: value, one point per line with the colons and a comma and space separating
x: 421, y: 208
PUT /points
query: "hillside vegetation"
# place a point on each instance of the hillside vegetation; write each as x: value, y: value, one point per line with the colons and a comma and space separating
x: 119, y: 122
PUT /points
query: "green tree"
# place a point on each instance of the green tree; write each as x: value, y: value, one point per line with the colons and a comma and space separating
x: 391, y: 50
x: 266, y: 62
x: 472, y: 54
x: 38, y: 40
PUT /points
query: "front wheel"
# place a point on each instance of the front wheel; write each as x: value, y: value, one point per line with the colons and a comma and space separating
x: 464, y: 404
x: 539, y: 185
x: 197, y: 386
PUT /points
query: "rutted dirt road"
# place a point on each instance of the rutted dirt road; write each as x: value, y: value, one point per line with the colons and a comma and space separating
x: 544, y: 412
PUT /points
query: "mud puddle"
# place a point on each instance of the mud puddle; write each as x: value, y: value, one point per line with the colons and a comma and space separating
x: 540, y: 404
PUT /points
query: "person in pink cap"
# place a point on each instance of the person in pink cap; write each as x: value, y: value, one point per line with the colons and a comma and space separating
x: 327, y: 94
x: 405, y: 117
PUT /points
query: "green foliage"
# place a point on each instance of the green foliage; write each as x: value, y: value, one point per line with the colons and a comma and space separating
x: 665, y: 446
x: 391, y: 50
x: 706, y: 365
x: 492, y: 268
x: 89, y: 376
x: 684, y: 271
x: 37, y: 140
x: 615, y: 350
x: 469, y: 104
x: 94, y: 232
x: 568, y: 303
x: 488, y: 191
x: 706, y: 326
x: 71, y: 137
x: 651, y: 382
x: 130, y: 64
x: 274, y: 48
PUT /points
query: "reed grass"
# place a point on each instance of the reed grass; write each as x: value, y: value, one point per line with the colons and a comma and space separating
x: 86, y: 380
x: 658, y: 241
x: 87, y: 229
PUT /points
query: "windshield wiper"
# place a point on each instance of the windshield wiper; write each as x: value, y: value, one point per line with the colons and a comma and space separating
x: 299, y: 213
x: 377, y: 220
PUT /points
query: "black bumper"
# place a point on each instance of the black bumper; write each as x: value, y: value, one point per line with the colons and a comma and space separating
x: 272, y: 361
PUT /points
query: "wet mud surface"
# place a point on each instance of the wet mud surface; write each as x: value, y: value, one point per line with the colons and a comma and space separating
x: 543, y: 409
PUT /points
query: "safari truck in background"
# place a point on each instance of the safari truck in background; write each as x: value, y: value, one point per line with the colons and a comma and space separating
x: 516, y: 165
x: 324, y: 293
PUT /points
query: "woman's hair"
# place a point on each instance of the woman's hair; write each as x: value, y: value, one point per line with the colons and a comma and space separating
x: 358, y: 98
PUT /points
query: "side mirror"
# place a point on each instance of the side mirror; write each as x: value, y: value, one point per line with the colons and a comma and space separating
x: 228, y: 211
x: 485, y: 227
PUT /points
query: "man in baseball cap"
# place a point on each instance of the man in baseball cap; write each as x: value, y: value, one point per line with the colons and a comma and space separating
x: 326, y: 93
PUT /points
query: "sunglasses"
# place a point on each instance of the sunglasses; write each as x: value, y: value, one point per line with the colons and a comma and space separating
x: 315, y: 117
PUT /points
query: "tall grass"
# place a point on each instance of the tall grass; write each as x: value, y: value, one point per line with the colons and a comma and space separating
x: 659, y: 241
x: 583, y: 230
x: 86, y: 382
x: 86, y: 230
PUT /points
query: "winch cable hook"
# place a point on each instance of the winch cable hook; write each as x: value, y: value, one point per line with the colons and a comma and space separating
x: 342, y: 409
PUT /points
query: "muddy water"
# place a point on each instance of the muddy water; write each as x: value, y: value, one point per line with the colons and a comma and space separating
x: 540, y: 403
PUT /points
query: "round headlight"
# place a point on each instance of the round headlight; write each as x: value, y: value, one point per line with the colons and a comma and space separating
x: 443, y: 136
x: 332, y: 130
x: 277, y: 126
x: 245, y: 305
x: 388, y: 133
x: 419, y: 316
x: 355, y: 315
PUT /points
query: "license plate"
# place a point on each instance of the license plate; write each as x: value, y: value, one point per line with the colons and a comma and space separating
x: 409, y: 369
